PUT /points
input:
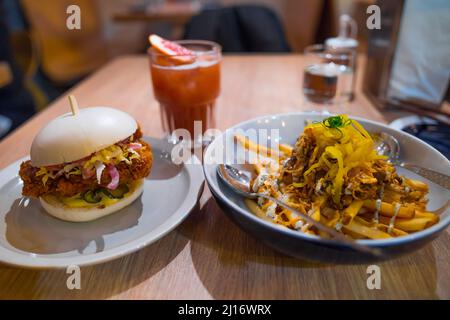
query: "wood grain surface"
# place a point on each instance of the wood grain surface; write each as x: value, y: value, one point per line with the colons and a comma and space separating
x: 207, y: 256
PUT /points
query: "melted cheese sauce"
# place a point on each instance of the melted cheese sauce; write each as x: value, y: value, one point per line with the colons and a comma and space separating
x: 80, y: 203
x: 77, y: 202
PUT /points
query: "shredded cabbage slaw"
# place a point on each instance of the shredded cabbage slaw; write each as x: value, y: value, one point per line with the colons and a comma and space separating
x: 108, y: 158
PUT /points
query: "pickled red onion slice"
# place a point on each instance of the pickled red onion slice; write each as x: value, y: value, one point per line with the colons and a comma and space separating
x: 135, y: 146
x: 114, y: 174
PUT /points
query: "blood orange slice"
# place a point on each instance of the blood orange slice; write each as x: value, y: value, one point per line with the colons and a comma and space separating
x: 172, y: 52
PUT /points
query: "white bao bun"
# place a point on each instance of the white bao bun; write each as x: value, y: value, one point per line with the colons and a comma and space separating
x: 72, y: 137
x: 62, y: 212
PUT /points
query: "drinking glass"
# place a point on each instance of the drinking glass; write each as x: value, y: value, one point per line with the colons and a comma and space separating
x: 328, y: 75
x: 187, y: 87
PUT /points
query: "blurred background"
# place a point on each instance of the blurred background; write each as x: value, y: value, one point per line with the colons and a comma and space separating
x: 40, y: 58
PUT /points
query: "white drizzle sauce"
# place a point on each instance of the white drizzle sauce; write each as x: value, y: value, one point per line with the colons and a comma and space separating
x: 274, y: 184
x: 294, y: 215
x: 391, y: 223
x: 259, y: 181
x: 271, y: 210
x: 261, y: 201
x: 283, y: 197
x: 376, y: 216
x: 338, y: 226
x: 299, y: 224
x: 305, y: 227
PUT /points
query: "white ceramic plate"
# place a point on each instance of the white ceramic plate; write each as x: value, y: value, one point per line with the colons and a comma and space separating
x: 402, y: 123
x: 31, y: 238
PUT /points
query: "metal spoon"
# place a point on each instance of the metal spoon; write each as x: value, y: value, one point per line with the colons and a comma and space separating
x: 239, y: 181
x: 389, y: 146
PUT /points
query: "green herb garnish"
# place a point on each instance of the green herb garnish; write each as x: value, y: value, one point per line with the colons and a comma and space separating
x: 336, y: 123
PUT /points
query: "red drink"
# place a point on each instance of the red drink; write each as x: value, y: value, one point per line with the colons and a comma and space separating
x: 187, y: 87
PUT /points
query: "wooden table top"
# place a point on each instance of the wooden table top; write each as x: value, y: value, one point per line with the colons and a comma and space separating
x: 207, y: 256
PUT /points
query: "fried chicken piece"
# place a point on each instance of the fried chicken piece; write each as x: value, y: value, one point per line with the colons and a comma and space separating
x: 74, y: 184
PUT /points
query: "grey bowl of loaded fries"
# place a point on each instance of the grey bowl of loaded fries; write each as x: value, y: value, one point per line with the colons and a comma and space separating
x: 327, y: 167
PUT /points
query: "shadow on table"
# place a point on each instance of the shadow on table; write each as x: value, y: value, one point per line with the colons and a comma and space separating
x: 30, y: 229
x: 233, y: 265
x: 98, y: 282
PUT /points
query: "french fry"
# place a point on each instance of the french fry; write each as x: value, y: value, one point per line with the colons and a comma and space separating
x: 356, y: 227
x: 355, y: 235
x: 332, y: 222
x: 425, y: 214
x: 253, y: 206
x: 258, y: 167
x: 382, y: 227
x: 394, y: 231
x: 329, y: 216
x: 316, y: 214
x: 316, y: 207
x: 391, y: 196
x: 285, y: 148
x: 252, y: 146
x: 329, y: 212
x: 323, y: 234
x: 417, y: 185
x: 364, y: 222
x: 351, y: 211
x: 388, y: 210
x: 411, y: 225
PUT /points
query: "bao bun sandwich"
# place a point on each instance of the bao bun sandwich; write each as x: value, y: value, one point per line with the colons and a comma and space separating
x: 87, y: 164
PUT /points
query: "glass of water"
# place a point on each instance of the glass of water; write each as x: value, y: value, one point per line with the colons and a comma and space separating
x: 328, y: 76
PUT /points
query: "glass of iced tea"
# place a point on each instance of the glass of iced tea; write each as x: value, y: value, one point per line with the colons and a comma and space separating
x: 187, y: 85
